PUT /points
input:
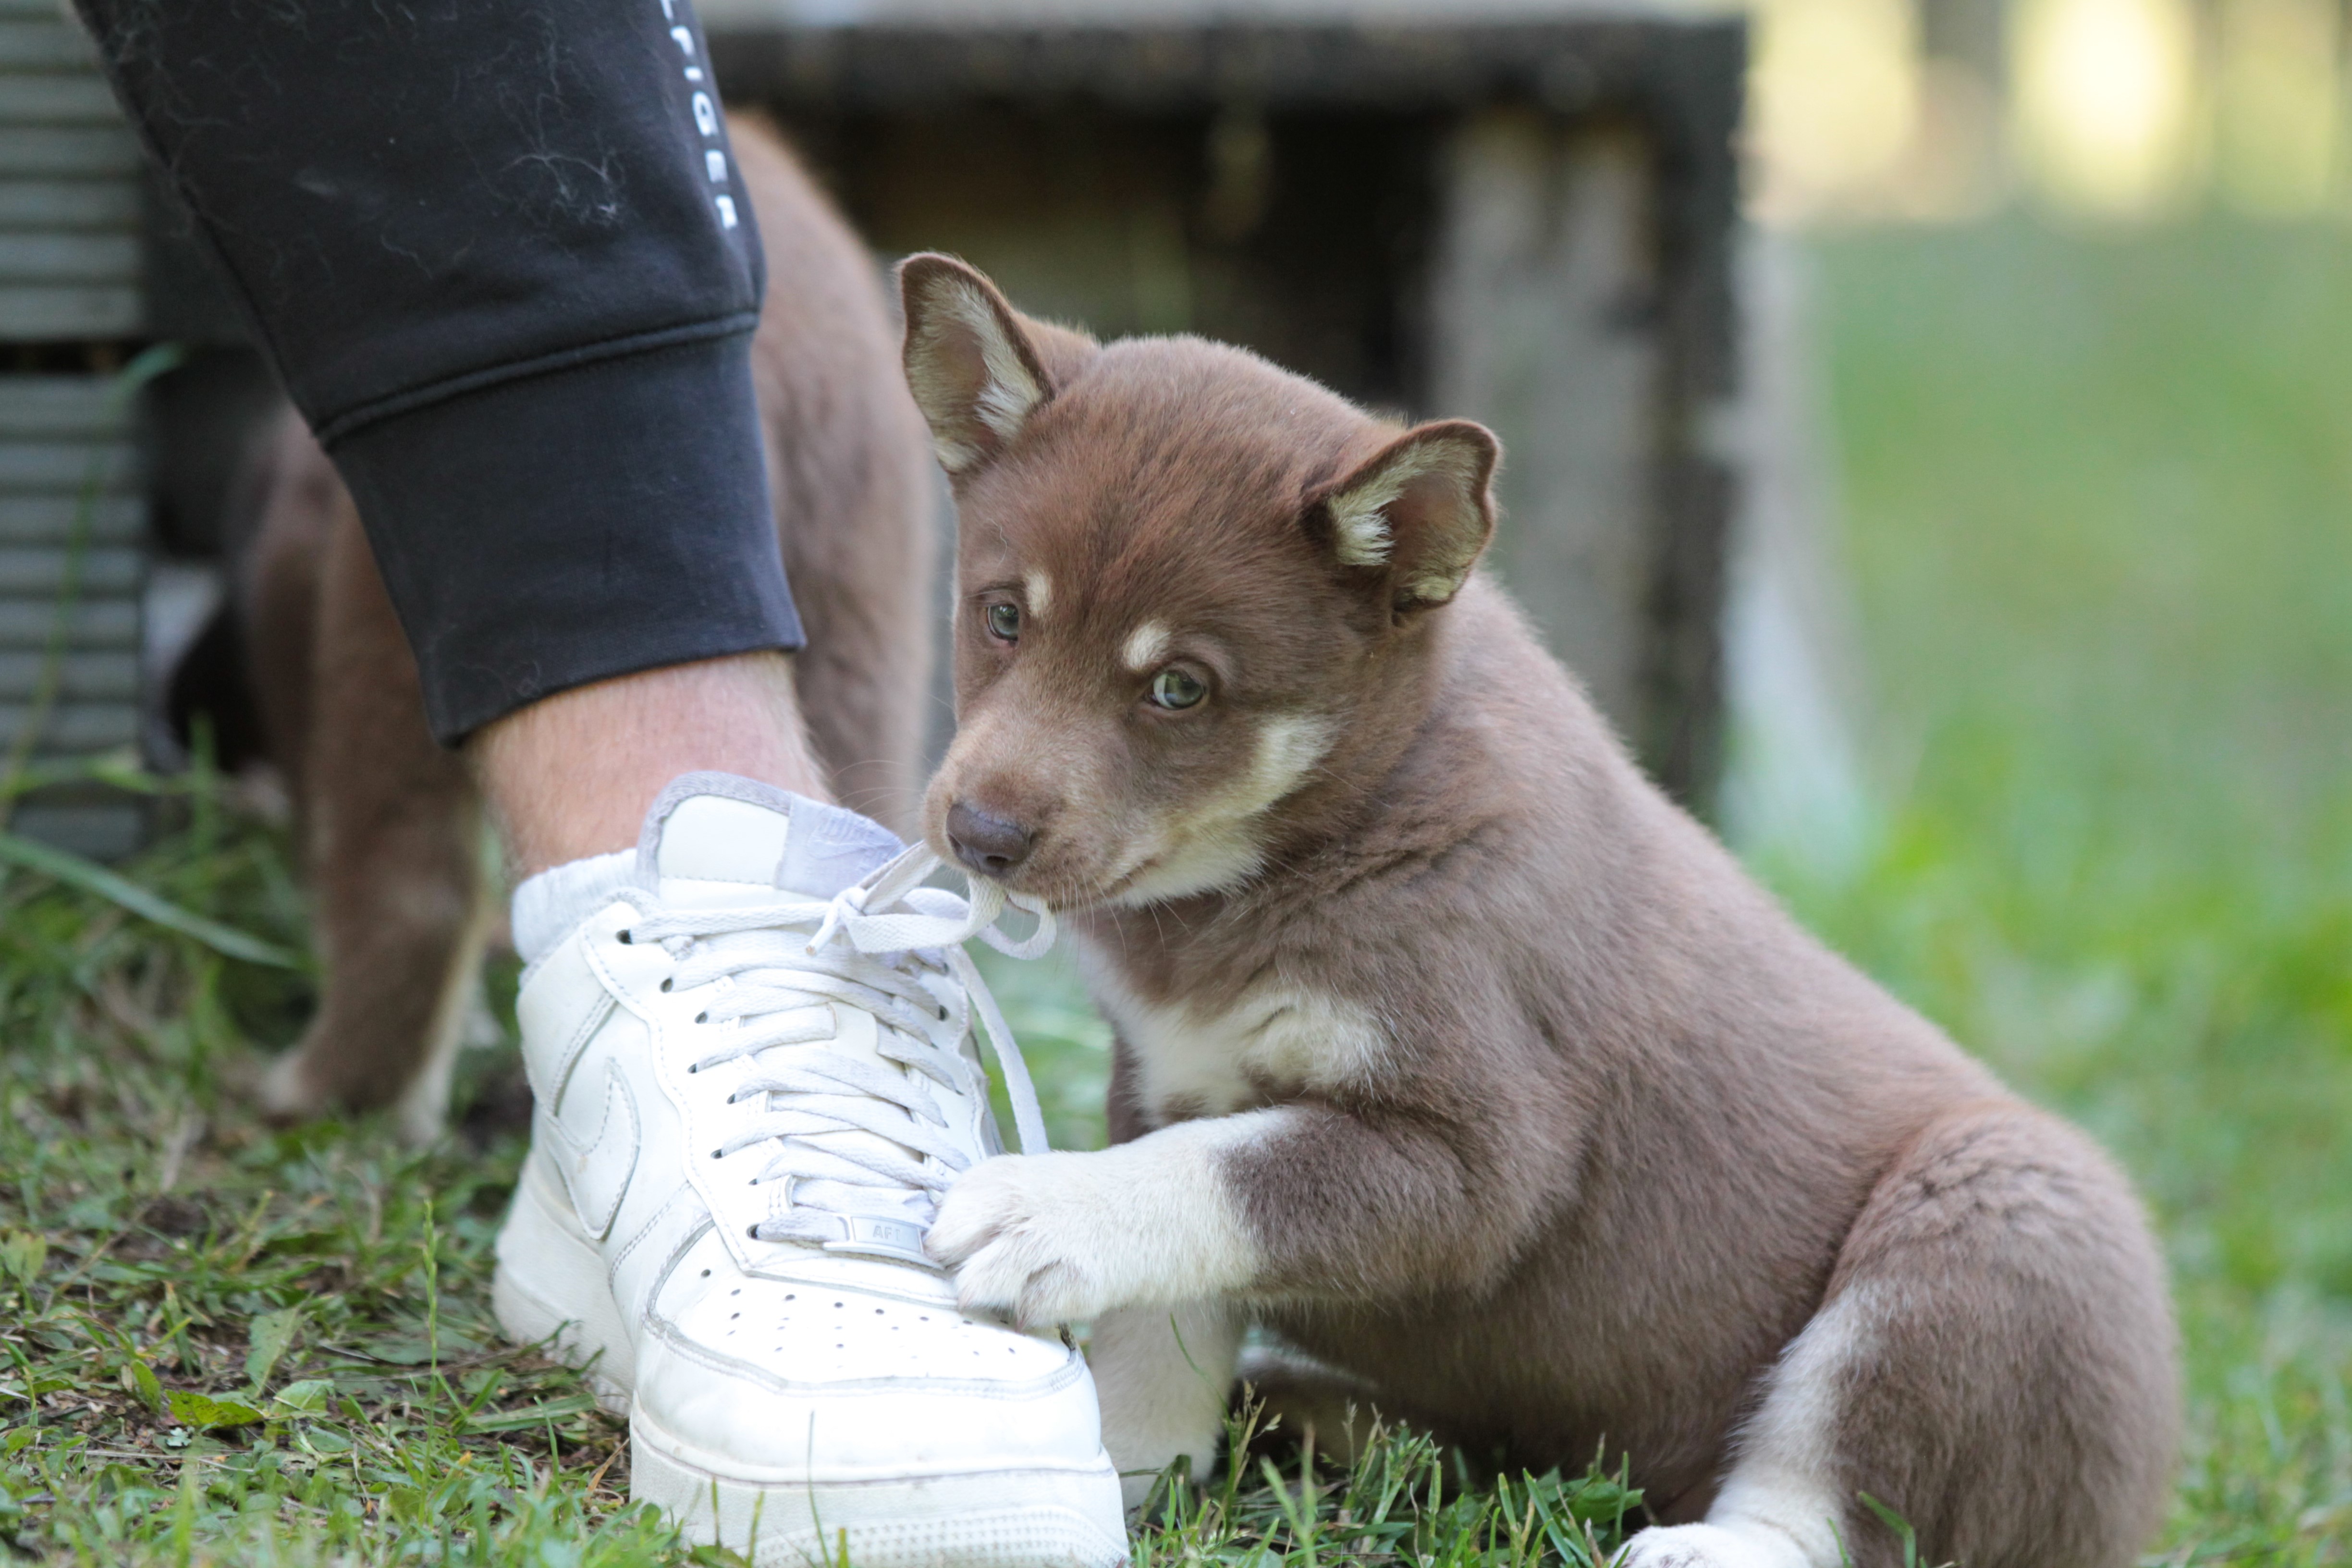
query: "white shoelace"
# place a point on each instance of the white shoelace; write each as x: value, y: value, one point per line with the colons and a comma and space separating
x: 774, y: 969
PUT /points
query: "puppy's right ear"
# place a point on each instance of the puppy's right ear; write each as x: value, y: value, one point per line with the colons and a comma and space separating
x: 971, y: 362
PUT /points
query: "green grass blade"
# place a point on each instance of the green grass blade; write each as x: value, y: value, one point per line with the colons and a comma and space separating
x: 64, y: 866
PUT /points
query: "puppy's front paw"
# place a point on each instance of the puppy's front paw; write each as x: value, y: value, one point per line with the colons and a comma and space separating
x: 1710, y: 1546
x: 1024, y: 1235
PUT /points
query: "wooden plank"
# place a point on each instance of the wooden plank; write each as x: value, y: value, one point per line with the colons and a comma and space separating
x: 93, y: 624
x: 77, y: 260
x: 76, y: 98
x: 105, y: 830
x: 55, y: 45
x: 59, y: 314
x: 82, y: 676
x: 67, y: 466
x: 117, y: 519
x: 74, y: 726
x: 1449, y: 57
x: 106, y: 205
x: 72, y: 150
x: 1538, y: 333
x: 41, y: 569
x: 84, y: 407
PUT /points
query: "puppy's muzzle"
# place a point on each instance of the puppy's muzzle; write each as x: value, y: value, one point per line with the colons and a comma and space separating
x: 990, y: 845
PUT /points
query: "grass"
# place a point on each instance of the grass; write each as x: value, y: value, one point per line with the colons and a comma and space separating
x: 2100, y: 499
x: 226, y: 1342
x: 2099, y: 502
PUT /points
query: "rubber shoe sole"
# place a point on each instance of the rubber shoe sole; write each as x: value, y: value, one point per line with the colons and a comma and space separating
x: 1000, y: 1518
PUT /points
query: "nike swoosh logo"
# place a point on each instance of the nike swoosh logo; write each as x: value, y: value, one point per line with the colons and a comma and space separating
x: 597, y: 1167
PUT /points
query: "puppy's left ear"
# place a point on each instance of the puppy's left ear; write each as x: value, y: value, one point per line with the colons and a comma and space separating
x: 1422, y: 511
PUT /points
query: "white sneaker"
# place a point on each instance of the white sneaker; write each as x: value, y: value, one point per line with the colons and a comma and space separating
x: 751, y: 1046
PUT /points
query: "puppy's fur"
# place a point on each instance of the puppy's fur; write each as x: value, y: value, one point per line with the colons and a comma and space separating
x: 390, y: 822
x: 1448, y: 1050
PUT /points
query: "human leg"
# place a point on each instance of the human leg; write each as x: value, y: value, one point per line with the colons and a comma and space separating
x: 524, y: 339
x: 571, y: 776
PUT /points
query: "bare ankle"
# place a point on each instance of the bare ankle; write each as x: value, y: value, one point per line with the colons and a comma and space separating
x: 571, y: 775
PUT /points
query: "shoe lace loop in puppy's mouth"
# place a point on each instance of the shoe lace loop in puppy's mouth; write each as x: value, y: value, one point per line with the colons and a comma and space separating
x: 857, y: 1137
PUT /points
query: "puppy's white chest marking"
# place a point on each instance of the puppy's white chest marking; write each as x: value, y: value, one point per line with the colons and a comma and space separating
x: 1272, y: 1043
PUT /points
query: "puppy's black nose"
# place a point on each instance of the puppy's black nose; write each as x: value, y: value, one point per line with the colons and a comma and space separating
x: 989, y: 844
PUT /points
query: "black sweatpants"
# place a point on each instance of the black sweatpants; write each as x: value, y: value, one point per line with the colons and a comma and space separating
x: 500, y: 259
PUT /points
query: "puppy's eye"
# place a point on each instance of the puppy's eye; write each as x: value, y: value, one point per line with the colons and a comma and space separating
x: 1003, y: 621
x: 1174, y: 688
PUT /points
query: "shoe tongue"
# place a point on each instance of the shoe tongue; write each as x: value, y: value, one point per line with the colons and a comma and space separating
x: 828, y: 848
x: 716, y: 828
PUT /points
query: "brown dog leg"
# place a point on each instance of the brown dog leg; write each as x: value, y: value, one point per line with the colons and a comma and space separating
x: 849, y: 466
x: 1993, y: 1363
x: 391, y: 842
x: 1331, y: 1414
x: 279, y: 515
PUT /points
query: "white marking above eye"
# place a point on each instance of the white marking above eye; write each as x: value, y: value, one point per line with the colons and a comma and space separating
x: 1038, y: 589
x: 1147, y: 645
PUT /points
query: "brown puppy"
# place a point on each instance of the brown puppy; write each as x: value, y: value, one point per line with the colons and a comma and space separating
x: 1448, y: 1050
x: 389, y: 824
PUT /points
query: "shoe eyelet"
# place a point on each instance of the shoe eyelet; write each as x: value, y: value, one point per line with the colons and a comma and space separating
x: 702, y: 1018
x: 627, y: 938
x: 752, y: 1231
x: 664, y: 984
x: 943, y: 1014
x: 716, y: 1154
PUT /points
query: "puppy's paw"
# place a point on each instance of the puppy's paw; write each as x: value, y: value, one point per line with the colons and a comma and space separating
x: 286, y: 1092
x: 1045, y: 1238
x: 1028, y: 1238
x: 1710, y: 1546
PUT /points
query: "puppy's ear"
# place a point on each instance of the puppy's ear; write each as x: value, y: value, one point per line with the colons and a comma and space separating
x: 972, y: 361
x: 1420, y: 512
